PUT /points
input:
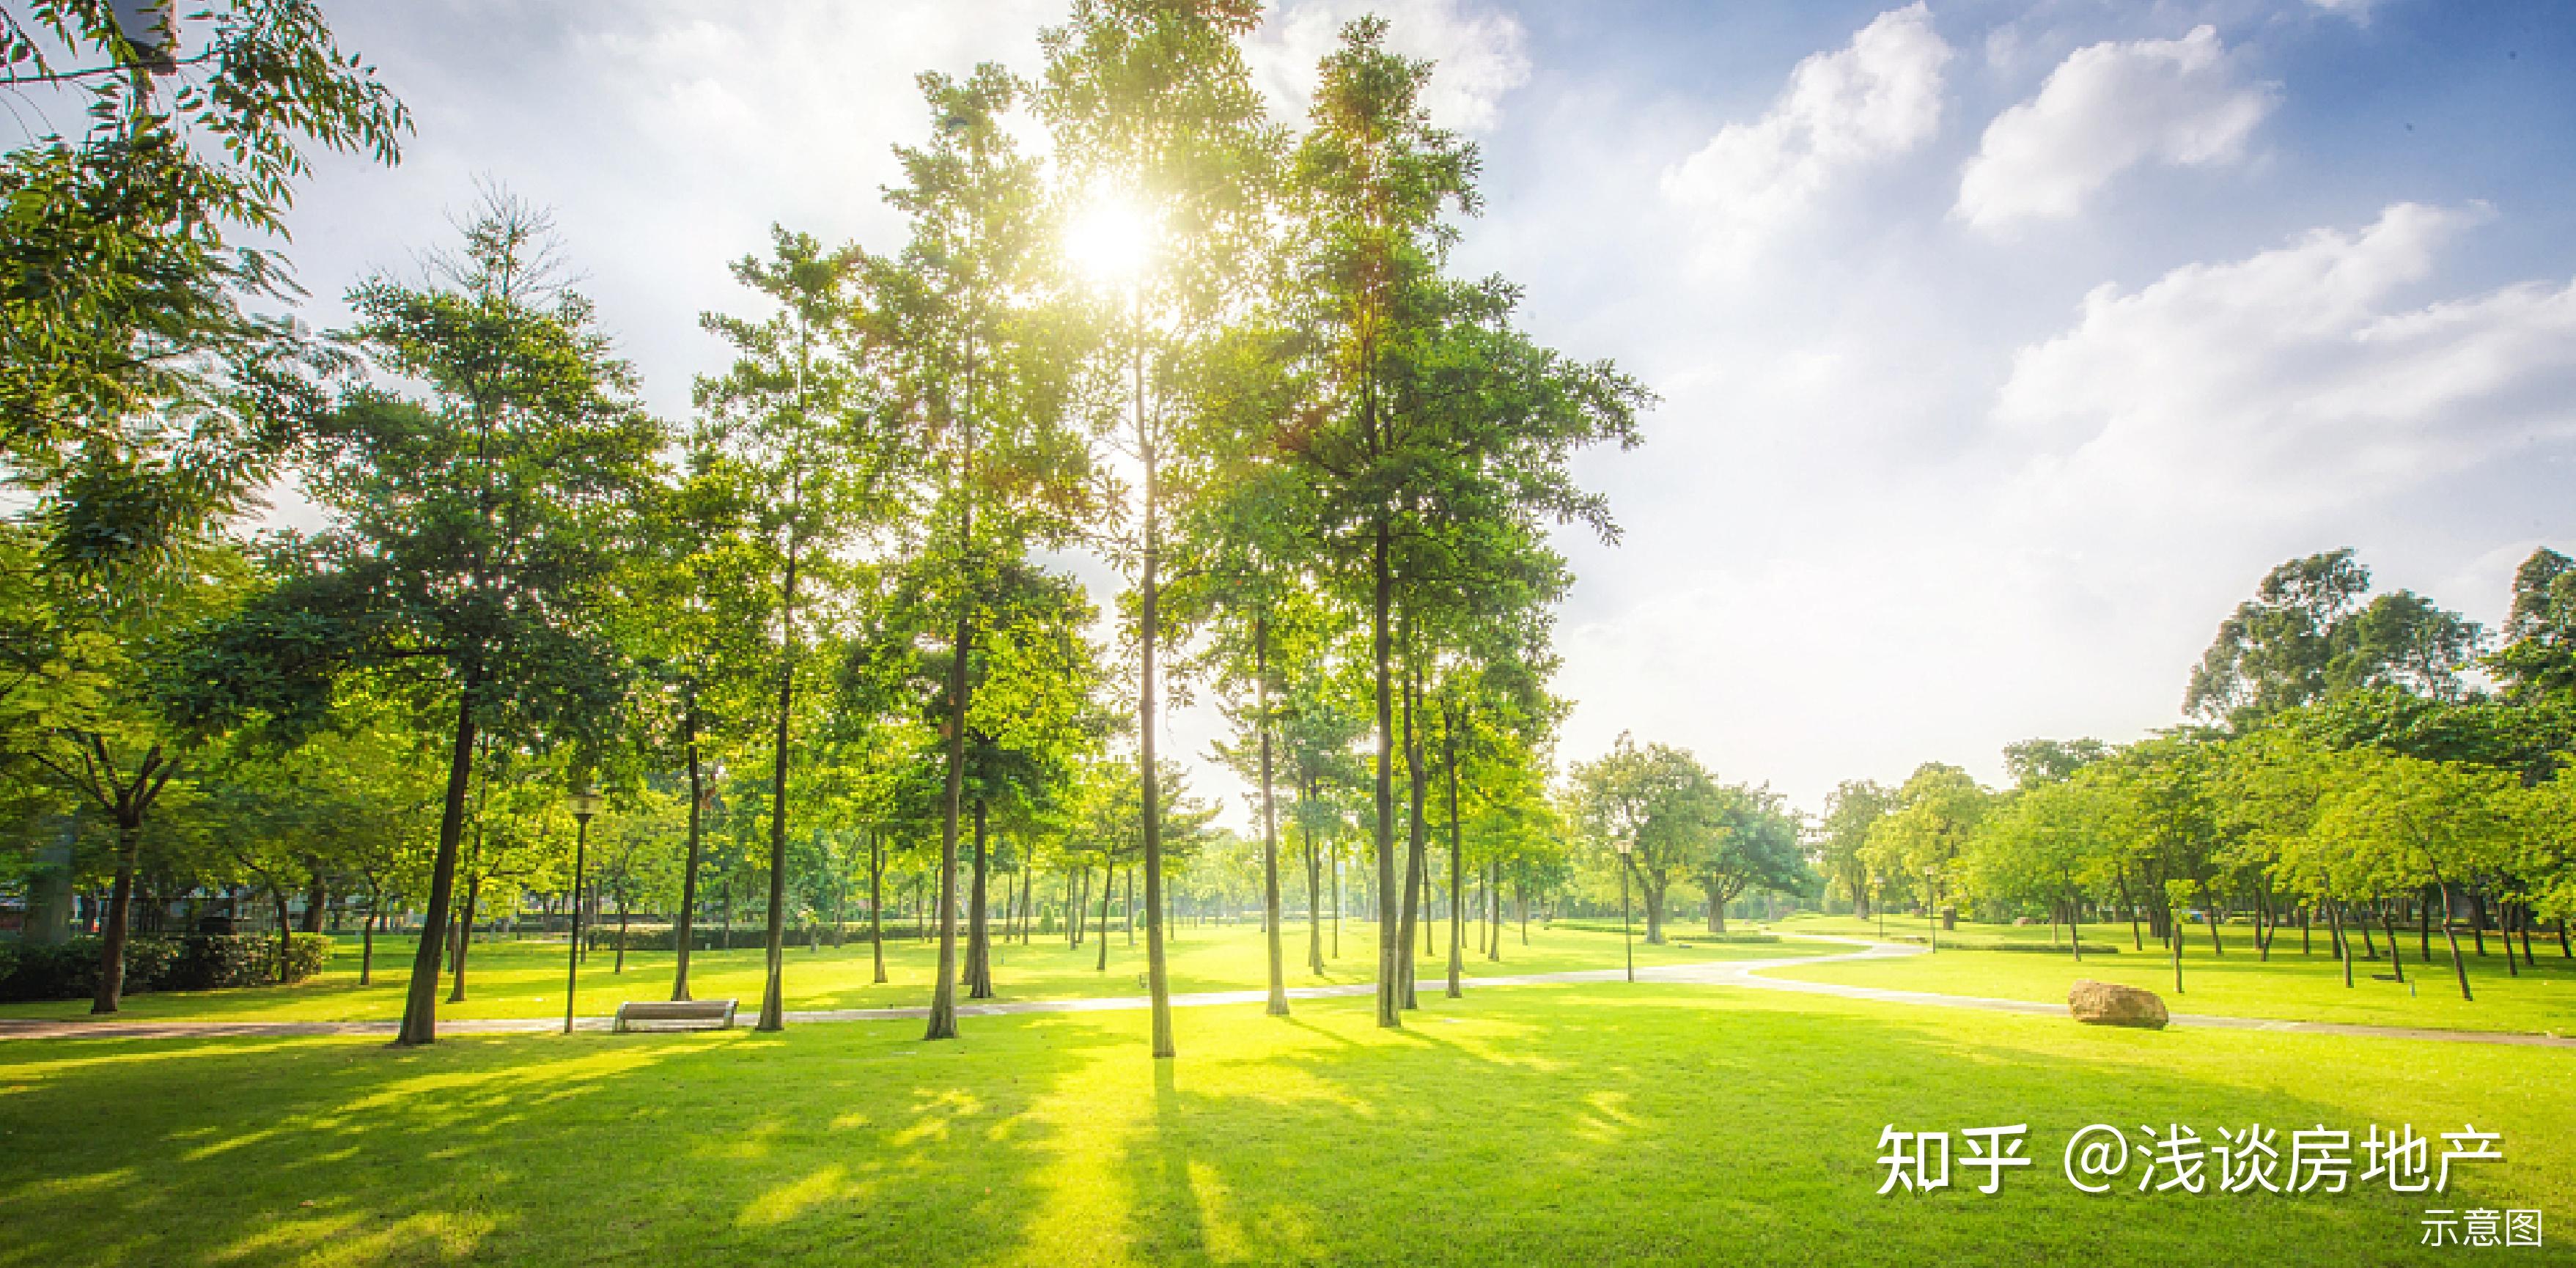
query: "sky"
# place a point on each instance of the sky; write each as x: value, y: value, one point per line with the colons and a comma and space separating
x: 2000, y: 347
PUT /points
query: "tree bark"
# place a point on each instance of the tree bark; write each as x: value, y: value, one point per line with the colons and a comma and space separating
x: 1278, y: 1002
x: 1457, y: 859
x: 2459, y: 967
x: 465, y: 934
x: 876, y: 902
x: 420, y: 1004
x: 684, y: 935
x: 1391, y: 953
x: 979, y: 937
x: 120, y: 903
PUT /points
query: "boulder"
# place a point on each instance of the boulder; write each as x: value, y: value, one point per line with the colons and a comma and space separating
x: 2110, y: 1004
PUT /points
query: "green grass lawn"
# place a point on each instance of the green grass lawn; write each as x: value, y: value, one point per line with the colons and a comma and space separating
x: 2237, y: 984
x: 525, y: 978
x: 1583, y: 1124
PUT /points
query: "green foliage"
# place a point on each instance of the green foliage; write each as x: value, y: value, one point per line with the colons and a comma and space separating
x: 2307, y: 635
x: 142, y: 397
x: 196, y: 962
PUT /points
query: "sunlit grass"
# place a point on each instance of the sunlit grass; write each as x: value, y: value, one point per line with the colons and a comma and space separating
x: 2240, y: 983
x: 525, y: 978
x: 1556, y: 1125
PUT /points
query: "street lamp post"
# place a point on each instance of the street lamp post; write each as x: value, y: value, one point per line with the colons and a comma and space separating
x: 1878, y: 900
x: 584, y: 804
x: 1626, y: 943
x: 1932, y: 905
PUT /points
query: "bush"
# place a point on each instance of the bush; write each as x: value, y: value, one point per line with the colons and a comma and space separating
x: 69, y: 970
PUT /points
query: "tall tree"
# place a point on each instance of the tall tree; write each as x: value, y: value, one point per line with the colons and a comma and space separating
x: 792, y: 420
x: 2307, y: 635
x: 1158, y: 124
x: 1442, y: 447
x: 974, y: 353
x: 480, y: 490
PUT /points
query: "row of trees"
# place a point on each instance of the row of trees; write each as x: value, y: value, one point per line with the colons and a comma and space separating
x: 1226, y: 356
x: 2359, y: 760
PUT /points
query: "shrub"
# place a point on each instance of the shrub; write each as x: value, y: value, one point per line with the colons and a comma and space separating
x: 69, y: 970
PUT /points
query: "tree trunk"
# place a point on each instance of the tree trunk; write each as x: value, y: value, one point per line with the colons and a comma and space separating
x: 979, y: 937
x: 1077, y: 907
x: 2459, y: 967
x: 1149, y: 626
x: 1391, y: 953
x: 1457, y: 860
x: 1415, y: 781
x: 620, y: 967
x: 943, y: 996
x: 285, y: 935
x: 120, y: 904
x: 1278, y: 1002
x: 2139, y: 940
x: 876, y: 902
x: 317, y: 897
x: 684, y: 935
x: 773, y: 991
x: 2388, y: 925
x: 420, y: 1003
x: 1108, y: 892
x: 465, y: 934
x: 2342, y: 944
x: 1314, y: 904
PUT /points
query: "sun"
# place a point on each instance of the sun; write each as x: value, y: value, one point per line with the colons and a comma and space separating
x: 1111, y: 240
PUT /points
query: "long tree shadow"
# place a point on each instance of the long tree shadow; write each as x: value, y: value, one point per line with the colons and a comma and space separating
x: 1536, y: 1124
x: 727, y: 1148
x: 1618, y: 1131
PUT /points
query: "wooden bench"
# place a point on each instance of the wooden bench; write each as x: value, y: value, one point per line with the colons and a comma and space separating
x: 700, y: 1014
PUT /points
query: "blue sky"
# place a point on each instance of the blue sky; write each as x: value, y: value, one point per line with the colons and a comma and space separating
x: 2002, y: 346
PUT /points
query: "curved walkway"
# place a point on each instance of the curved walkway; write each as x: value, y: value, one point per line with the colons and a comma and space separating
x: 1750, y: 974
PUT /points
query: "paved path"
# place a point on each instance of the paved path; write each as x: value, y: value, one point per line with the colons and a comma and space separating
x: 1751, y: 974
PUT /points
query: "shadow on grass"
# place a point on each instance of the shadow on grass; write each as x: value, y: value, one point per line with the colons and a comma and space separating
x: 1556, y: 1125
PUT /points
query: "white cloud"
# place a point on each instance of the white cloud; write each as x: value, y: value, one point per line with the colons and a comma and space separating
x: 2296, y: 381
x: 1878, y: 96
x: 2105, y: 109
x: 1481, y: 55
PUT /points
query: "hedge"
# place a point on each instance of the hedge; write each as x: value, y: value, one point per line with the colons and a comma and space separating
x: 197, y: 962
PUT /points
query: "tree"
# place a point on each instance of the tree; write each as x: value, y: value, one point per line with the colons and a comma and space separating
x: 102, y: 733
x: 1854, y: 806
x: 1924, y: 833
x: 791, y: 420
x: 1157, y: 120
x: 1662, y: 804
x: 2538, y: 659
x: 978, y: 380
x: 142, y: 397
x: 2307, y: 635
x: 2415, y: 823
x: 1756, y: 847
x: 1438, y: 419
x: 479, y: 490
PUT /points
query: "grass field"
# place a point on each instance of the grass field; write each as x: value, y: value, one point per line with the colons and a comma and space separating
x: 525, y: 978
x: 1536, y: 1125
x: 2237, y: 984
